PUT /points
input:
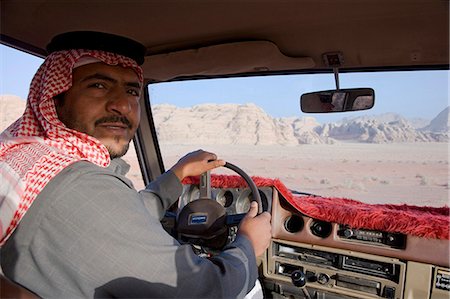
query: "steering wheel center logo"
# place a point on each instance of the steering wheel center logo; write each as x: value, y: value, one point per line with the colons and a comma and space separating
x: 197, y: 218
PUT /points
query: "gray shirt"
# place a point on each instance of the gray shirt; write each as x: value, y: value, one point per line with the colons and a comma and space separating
x: 89, y: 233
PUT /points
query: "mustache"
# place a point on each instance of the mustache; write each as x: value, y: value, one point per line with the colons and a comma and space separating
x: 114, y: 119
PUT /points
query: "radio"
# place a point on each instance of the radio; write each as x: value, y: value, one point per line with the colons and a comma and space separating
x: 393, y: 240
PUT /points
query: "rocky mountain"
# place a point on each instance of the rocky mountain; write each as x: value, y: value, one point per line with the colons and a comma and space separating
x: 249, y: 124
x: 418, y: 123
x: 223, y: 124
x: 376, y: 131
x: 441, y: 123
x: 382, y: 118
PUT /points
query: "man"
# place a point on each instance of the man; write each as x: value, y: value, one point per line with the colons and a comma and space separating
x: 72, y: 225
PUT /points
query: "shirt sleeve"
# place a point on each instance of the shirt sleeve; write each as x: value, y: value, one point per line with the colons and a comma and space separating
x: 161, y: 193
x: 91, y: 235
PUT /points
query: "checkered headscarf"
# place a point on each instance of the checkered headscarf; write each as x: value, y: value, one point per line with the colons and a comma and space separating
x: 37, y: 146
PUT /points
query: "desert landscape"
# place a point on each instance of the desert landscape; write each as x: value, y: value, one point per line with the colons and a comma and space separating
x: 395, y: 164
x: 416, y: 175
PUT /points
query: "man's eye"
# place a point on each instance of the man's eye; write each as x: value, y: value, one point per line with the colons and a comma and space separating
x: 133, y: 92
x: 98, y: 85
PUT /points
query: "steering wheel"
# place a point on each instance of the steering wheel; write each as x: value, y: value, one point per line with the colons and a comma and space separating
x: 204, y: 221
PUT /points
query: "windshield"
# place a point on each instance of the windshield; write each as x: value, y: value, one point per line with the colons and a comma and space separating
x: 395, y: 153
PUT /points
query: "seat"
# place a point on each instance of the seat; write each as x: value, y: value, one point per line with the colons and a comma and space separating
x: 9, y: 289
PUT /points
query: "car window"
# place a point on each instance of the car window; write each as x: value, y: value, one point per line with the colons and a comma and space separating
x: 395, y: 153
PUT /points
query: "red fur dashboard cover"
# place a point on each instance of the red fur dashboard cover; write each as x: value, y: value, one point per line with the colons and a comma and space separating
x: 427, y: 222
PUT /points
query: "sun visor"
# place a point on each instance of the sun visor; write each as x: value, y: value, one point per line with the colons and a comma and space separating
x: 224, y: 59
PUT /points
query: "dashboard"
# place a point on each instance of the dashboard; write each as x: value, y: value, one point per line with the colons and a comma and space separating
x: 310, y: 258
x: 234, y: 200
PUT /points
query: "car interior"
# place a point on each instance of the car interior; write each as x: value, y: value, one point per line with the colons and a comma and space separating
x: 322, y: 246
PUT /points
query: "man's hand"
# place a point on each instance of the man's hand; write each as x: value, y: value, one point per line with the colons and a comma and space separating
x: 196, y: 163
x: 257, y: 228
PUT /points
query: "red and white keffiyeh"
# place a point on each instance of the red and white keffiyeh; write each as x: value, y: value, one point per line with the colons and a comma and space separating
x: 36, y: 147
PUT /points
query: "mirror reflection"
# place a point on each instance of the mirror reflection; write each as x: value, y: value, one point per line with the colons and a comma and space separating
x: 338, y: 100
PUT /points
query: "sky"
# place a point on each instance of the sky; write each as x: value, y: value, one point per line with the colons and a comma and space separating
x: 416, y: 94
x: 413, y: 94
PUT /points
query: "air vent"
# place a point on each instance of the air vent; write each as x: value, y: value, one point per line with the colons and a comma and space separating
x: 320, y: 229
x: 294, y: 223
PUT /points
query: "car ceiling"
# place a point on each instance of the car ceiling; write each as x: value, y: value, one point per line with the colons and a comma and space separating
x: 191, y: 36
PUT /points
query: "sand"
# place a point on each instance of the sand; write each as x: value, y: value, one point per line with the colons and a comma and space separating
x: 411, y: 173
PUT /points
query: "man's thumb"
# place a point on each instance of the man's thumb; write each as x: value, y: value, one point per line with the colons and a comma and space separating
x: 253, y: 209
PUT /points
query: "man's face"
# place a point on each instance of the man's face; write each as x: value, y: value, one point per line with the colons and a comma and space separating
x: 103, y: 102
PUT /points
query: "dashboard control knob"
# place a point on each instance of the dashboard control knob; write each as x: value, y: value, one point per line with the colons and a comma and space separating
x: 311, y: 276
x: 348, y: 233
x: 323, y: 278
x: 298, y: 278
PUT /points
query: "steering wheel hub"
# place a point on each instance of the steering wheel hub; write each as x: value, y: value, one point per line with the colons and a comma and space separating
x: 204, y: 221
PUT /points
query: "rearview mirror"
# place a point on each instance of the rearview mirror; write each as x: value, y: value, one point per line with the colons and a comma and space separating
x: 341, y: 100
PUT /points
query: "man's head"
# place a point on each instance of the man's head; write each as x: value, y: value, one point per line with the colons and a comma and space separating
x: 103, y: 100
